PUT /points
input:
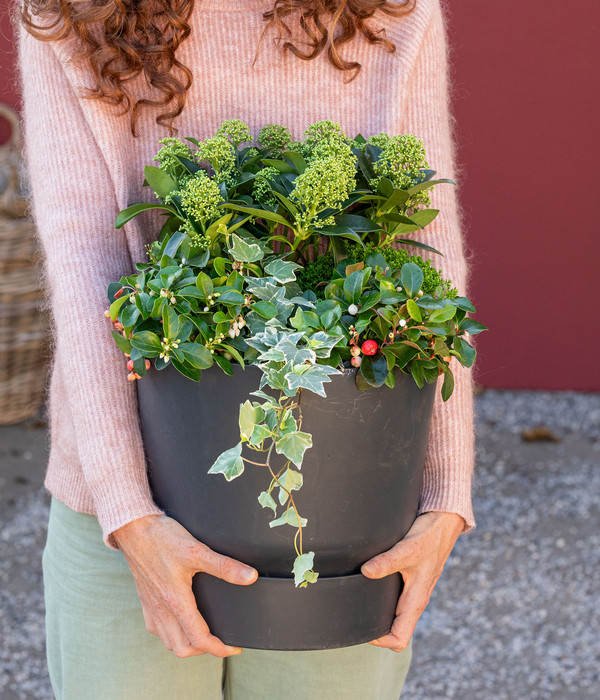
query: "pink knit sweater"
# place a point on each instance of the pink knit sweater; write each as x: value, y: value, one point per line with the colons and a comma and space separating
x: 85, y: 166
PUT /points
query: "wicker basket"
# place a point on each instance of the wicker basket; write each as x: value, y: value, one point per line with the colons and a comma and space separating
x: 24, y: 334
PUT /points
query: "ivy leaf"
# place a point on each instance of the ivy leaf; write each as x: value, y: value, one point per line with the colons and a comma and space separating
x: 246, y: 420
x: 282, y: 270
x: 293, y: 354
x: 322, y: 343
x: 303, y: 565
x: 266, y: 501
x: 311, y: 377
x: 293, y: 446
x: 288, y: 518
x: 290, y: 481
x: 243, y: 251
x: 229, y: 463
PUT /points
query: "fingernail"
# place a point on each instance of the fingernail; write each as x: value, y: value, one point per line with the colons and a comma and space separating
x: 367, y: 570
x: 247, y: 574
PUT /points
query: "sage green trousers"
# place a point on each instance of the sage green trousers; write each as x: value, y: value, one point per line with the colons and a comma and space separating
x: 98, y: 647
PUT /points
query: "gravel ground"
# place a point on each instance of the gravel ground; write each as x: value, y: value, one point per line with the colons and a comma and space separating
x: 515, y: 613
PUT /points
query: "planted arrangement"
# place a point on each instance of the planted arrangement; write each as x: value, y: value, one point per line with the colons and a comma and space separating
x: 284, y: 254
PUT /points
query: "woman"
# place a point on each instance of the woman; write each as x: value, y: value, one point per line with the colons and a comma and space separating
x: 103, y: 80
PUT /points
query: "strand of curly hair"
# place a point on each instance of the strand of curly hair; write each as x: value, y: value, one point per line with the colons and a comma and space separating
x: 123, y: 39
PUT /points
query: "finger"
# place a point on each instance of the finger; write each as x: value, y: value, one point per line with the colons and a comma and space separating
x: 196, y: 630
x: 225, y: 568
x: 411, y: 605
x: 402, y: 555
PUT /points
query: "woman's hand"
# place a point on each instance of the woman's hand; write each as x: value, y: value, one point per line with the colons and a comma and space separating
x: 420, y: 558
x: 163, y: 558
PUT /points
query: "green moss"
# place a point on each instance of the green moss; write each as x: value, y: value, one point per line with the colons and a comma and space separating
x: 321, y: 270
x: 396, y: 257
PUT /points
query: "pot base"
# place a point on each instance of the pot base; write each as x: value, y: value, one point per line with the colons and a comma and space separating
x: 272, y: 613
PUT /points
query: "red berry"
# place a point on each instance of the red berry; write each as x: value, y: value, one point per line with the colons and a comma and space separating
x: 356, y: 361
x: 355, y: 351
x: 147, y: 364
x: 131, y: 376
x: 369, y: 347
x: 118, y: 294
x: 130, y: 365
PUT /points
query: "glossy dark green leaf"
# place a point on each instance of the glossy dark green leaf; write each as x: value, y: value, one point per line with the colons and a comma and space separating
x: 374, y: 369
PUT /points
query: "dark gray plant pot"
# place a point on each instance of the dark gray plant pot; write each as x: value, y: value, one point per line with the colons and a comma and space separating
x: 362, y: 483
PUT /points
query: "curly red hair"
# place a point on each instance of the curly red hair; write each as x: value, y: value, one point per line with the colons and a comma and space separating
x: 122, y: 39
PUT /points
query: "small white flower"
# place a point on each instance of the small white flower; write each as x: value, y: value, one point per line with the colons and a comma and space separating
x: 231, y: 333
x: 399, y: 289
x: 353, y: 309
x: 420, y: 293
x: 402, y: 322
x: 241, y: 323
x: 206, y: 308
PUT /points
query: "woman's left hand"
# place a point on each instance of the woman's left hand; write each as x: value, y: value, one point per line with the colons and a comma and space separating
x: 420, y: 558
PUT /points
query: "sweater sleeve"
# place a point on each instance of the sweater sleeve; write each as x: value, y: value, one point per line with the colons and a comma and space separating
x: 74, y: 208
x: 450, y: 457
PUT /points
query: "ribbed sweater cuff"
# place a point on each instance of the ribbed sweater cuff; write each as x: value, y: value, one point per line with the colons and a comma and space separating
x: 119, y: 500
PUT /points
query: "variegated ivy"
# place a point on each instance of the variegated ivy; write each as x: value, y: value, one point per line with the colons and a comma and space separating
x: 288, y: 360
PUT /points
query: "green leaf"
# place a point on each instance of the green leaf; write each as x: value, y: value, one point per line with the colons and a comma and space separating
x: 425, y: 185
x: 288, y: 518
x: 186, y: 369
x: 416, y: 369
x: 229, y: 463
x: 441, y: 315
x: 293, y: 446
x: 465, y: 352
x: 290, y: 481
x: 357, y: 223
x: 424, y: 216
x: 302, y: 565
x: 374, y: 369
x: 115, y: 307
x: 280, y: 165
x: 170, y: 322
x: 122, y: 343
x: 266, y: 501
x: 414, y: 311
x: 462, y: 303
x: 246, y: 420
x: 160, y: 181
x: 411, y: 278
x: 127, y: 214
x: 259, y: 213
x: 204, y: 284
x: 472, y: 327
x: 147, y: 342
x: 243, y: 251
x: 224, y: 364
x: 353, y: 286
x: 197, y: 355
x: 448, y: 385
x: 265, y: 309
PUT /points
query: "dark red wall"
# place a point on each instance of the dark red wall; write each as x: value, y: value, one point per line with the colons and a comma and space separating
x: 8, y: 92
x: 527, y: 101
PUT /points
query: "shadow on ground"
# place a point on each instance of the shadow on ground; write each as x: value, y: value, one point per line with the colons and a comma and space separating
x: 514, y: 616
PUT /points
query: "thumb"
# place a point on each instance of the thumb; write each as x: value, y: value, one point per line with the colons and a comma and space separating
x: 387, y: 563
x: 226, y: 568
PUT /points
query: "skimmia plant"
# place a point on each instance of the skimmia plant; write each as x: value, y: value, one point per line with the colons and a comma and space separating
x: 284, y: 254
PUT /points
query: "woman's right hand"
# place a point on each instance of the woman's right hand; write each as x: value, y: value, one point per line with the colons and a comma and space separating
x: 163, y: 557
